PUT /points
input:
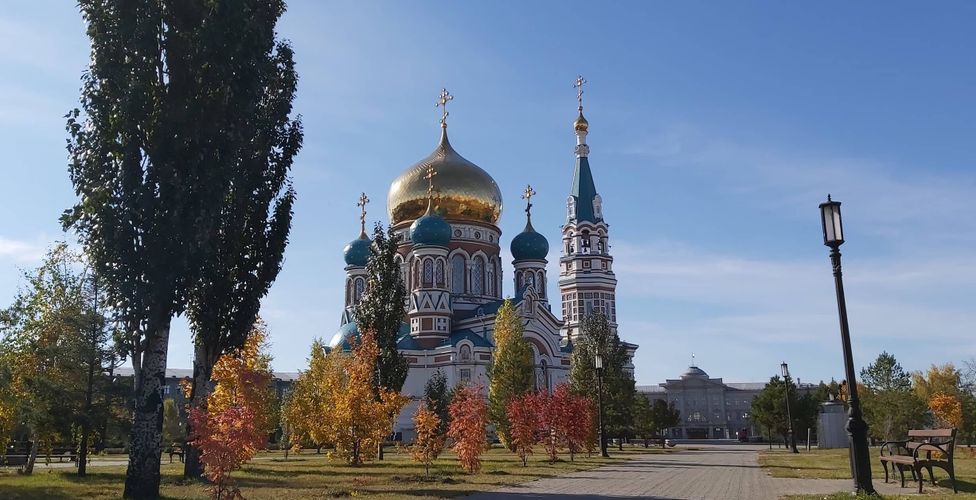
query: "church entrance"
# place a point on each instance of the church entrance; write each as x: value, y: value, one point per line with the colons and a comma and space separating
x: 697, y: 433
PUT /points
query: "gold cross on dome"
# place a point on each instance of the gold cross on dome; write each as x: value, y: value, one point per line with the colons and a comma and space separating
x: 579, y: 89
x: 430, y: 181
x: 363, y: 200
x: 527, y: 196
x: 442, y: 101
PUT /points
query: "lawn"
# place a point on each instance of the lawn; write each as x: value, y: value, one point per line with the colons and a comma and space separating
x: 308, y: 475
x: 834, y: 464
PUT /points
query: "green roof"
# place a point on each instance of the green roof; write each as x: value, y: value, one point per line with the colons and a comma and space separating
x: 584, y: 191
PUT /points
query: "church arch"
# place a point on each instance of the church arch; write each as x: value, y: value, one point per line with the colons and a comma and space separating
x: 439, y: 273
x: 428, y: 273
x: 464, y: 353
x: 478, y: 275
x: 458, y: 268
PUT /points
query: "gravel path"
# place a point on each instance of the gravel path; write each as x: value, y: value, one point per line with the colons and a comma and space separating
x: 713, y: 472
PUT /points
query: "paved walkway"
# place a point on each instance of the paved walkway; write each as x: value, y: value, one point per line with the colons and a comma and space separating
x: 712, y: 472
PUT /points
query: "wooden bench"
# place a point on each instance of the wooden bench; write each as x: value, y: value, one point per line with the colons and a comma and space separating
x: 924, y: 449
x: 176, y: 450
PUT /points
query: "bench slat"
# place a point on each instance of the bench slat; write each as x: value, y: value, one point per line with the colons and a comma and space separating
x: 932, y: 433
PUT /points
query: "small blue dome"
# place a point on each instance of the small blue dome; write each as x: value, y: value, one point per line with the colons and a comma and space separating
x: 349, y: 334
x: 430, y: 230
x: 356, y: 252
x: 529, y: 245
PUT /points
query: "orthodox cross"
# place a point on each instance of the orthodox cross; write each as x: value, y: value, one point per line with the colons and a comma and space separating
x: 692, y: 359
x: 527, y: 196
x: 579, y: 89
x: 442, y: 101
x: 363, y: 200
x: 430, y: 181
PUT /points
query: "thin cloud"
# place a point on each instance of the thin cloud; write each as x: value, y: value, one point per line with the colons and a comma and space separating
x: 21, y: 252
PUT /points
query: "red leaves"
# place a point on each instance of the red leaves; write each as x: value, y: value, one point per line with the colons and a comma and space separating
x: 469, y: 418
x: 556, y: 420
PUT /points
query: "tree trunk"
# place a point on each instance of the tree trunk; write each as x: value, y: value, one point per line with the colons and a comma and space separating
x: 142, y: 475
x: 201, y: 387
x: 87, y: 422
x: 28, y: 468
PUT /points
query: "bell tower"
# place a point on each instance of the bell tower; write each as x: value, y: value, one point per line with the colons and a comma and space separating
x: 587, y: 283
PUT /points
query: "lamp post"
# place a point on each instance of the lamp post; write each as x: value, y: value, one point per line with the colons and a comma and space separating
x: 857, y: 429
x: 789, y: 416
x: 598, y: 364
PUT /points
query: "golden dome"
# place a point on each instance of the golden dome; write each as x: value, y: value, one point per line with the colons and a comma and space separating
x: 581, y: 124
x: 463, y: 191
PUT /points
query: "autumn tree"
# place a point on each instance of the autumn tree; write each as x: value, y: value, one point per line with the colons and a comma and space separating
x: 511, y: 370
x: 578, y: 423
x: 57, y: 348
x: 469, y: 420
x: 380, y: 311
x: 429, y: 442
x: 334, y: 402
x: 437, y: 398
x: 236, y: 419
x: 596, y: 335
x: 179, y: 99
x: 523, y: 422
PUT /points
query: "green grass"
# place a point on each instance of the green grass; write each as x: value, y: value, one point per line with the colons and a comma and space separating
x: 308, y: 475
x: 835, y: 464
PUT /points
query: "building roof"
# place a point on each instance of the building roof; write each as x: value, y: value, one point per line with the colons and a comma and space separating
x: 126, y: 371
x: 466, y: 334
x: 584, y: 191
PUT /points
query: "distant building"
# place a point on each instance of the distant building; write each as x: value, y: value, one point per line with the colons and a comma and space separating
x: 709, y: 407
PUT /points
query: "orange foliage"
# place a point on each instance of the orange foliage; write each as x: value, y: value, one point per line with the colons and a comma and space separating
x: 429, y: 443
x: 469, y: 418
x: 236, y: 421
x: 947, y: 410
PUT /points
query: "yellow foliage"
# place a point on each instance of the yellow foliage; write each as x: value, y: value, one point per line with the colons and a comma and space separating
x: 947, y: 410
x: 245, y: 375
x: 938, y: 379
x: 334, y: 402
x: 429, y: 443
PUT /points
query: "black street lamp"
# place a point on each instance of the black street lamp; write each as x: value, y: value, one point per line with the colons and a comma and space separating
x: 598, y: 364
x: 857, y: 429
x: 789, y: 416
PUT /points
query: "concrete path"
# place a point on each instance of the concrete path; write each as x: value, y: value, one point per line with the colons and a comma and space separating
x: 713, y: 472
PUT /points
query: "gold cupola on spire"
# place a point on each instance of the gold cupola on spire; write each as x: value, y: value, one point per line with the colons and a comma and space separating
x: 465, y: 192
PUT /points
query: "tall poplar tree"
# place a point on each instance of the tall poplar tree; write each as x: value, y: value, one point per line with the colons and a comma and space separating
x: 168, y: 114
x: 381, y: 308
x: 510, y: 374
x: 255, y: 219
x: 618, y: 384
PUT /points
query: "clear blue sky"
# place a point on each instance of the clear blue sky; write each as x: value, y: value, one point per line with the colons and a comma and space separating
x: 715, y: 128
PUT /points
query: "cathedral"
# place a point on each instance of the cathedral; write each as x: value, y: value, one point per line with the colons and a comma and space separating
x: 446, y: 210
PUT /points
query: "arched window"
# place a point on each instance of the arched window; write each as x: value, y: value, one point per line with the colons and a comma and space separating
x: 529, y: 279
x: 439, y: 274
x: 349, y: 292
x: 541, y: 287
x: 416, y: 274
x: 543, y: 382
x: 465, y: 353
x: 428, y: 272
x: 360, y: 288
x: 457, y: 274
x: 478, y: 276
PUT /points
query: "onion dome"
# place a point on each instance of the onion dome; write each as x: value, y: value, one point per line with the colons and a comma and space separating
x: 465, y: 191
x: 356, y: 252
x: 529, y: 245
x: 348, y: 335
x: 430, y: 230
x: 581, y: 125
